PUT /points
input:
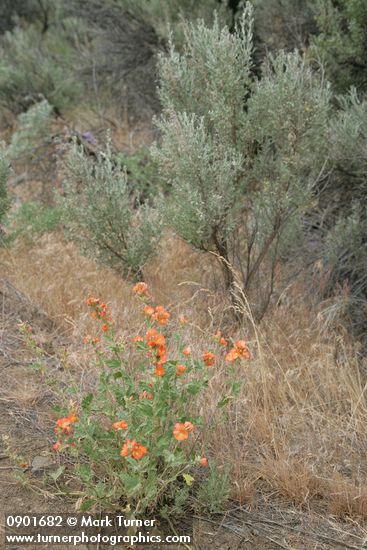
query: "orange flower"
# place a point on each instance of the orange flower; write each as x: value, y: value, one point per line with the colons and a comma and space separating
x: 141, y: 289
x: 92, y: 301
x: 155, y: 339
x: 56, y: 446
x: 89, y: 340
x: 64, y: 423
x: 161, y: 315
x: 120, y: 425
x: 148, y: 310
x: 189, y: 426
x: 183, y: 320
x: 146, y: 395
x: 138, y: 339
x: 220, y: 339
x: 204, y: 461
x: 138, y: 451
x: 105, y: 328
x: 157, y: 342
x: 127, y: 447
x: 162, y: 355
x: 180, y: 369
x: 187, y: 351
x: 181, y: 430
x: 240, y: 349
x: 159, y: 371
x: 99, y: 311
x: 209, y: 358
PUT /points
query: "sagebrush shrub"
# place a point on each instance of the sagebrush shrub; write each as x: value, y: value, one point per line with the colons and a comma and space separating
x: 4, y: 175
x: 340, y: 43
x: 242, y: 158
x: 284, y: 24
x: 344, y: 223
x: 101, y: 215
x: 35, y: 67
x: 31, y: 220
x: 32, y: 132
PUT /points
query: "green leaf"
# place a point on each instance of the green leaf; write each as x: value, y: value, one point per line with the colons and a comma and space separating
x: 131, y: 483
x: 189, y: 479
x: 146, y: 408
x: 236, y: 388
x: 86, y: 505
x: 113, y: 363
x: 223, y: 402
x: 55, y: 475
x: 84, y: 472
x: 194, y: 388
x: 87, y: 402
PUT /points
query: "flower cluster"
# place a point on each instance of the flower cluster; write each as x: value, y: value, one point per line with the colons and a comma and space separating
x: 99, y: 311
x: 181, y: 430
x: 239, y: 350
x: 219, y: 338
x: 134, y: 449
x: 141, y: 289
x: 63, y: 428
x: 209, y: 358
x: 91, y: 340
x: 158, y: 314
x: 120, y: 425
x: 151, y: 427
x: 157, y: 343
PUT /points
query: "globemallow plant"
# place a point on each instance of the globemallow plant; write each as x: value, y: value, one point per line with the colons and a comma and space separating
x: 241, y: 156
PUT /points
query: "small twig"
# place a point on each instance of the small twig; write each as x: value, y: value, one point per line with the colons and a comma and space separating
x: 236, y: 531
x: 175, y: 532
x: 304, y: 532
x: 13, y: 468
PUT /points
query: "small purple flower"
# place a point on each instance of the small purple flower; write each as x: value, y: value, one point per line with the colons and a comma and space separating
x: 89, y: 137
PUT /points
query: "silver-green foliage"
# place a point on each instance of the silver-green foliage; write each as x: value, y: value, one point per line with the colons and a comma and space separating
x: 35, y: 67
x: 164, y: 16
x: 345, y: 244
x: 33, y: 130
x: 4, y: 175
x: 100, y: 216
x: 241, y: 155
x: 31, y: 220
x: 213, y: 493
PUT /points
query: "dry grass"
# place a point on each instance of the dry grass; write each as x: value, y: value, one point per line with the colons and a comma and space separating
x: 298, y: 425
x: 297, y: 428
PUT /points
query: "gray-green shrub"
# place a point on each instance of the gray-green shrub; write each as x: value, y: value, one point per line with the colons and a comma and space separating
x: 4, y: 175
x: 35, y: 66
x: 344, y: 250
x: 100, y: 214
x: 31, y: 220
x: 32, y: 132
x: 241, y: 156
